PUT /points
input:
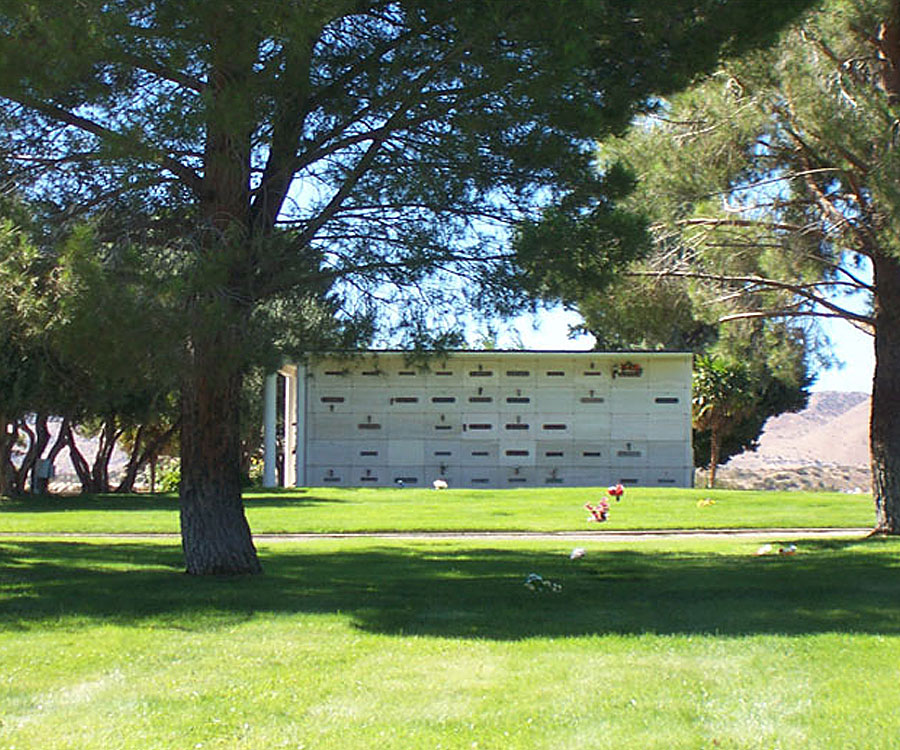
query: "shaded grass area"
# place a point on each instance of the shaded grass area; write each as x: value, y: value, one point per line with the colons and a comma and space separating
x: 348, y: 510
x: 453, y: 589
x: 358, y: 643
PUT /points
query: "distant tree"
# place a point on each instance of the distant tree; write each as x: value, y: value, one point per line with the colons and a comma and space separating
x: 722, y: 395
x: 777, y: 358
x: 145, y: 443
x: 105, y: 317
x: 98, y: 323
x: 27, y: 384
x: 645, y: 312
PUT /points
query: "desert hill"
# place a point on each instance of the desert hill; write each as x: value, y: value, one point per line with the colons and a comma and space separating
x: 825, y: 446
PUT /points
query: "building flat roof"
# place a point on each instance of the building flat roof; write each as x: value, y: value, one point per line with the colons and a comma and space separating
x: 491, y: 352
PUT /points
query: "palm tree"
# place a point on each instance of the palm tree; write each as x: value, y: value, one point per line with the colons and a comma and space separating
x: 722, y: 394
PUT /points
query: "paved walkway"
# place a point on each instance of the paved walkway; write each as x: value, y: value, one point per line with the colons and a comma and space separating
x: 580, y: 536
x: 606, y: 536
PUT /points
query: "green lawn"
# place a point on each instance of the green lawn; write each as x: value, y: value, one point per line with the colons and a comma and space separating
x: 362, y: 643
x: 347, y: 510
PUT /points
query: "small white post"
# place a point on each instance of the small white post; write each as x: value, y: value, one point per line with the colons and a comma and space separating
x: 269, y: 426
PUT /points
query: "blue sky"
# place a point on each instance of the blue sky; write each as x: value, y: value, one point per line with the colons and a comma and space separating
x: 550, y: 330
x: 856, y: 350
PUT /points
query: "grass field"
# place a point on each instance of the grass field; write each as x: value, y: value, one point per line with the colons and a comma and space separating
x: 374, y: 643
x: 347, y: 510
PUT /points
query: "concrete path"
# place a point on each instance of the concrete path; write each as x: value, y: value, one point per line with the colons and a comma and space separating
x: 573, y: 536
x: 586, y: 536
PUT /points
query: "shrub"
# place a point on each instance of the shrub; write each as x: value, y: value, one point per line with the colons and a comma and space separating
x: 168, y: 477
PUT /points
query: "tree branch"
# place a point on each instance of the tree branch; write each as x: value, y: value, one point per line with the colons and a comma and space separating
x: 161, y: 71
x: 184, y: 173
x: 801, y: 290
x: 413, y: 88
x: 866, y: 326
x: 719, y: 222
x: 862, y: 233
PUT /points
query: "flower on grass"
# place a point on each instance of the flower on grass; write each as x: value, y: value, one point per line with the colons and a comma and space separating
x: 599, y: 512
x: 534, y: 582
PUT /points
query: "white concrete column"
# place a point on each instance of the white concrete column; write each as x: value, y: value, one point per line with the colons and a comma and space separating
x: 288, y: 437
x: 300, y: 432
x: 269, y: 427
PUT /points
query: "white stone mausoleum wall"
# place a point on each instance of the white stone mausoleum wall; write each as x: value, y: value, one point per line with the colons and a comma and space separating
x: 486, y: 419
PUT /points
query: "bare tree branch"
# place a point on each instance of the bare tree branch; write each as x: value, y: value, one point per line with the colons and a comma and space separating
x: 806, y: 291
x: 715, y: 222
x: 190, y: 178
x: 866, y: 326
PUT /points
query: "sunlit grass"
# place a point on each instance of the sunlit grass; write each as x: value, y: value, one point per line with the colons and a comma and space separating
x: 362, y: 644
x: 348, y: 510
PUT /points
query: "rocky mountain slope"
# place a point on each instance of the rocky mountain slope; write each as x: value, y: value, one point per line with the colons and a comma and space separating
x: 825, y: 446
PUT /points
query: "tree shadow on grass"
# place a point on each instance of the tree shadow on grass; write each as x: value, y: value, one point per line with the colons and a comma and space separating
x: 146, y: 502
x: 463, y: 592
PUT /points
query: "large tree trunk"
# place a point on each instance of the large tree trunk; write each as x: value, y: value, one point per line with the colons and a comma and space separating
x: 214, y: 531
x: 884, y: 428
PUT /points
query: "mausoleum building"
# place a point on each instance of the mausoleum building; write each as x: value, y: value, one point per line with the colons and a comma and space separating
x: 482, y: 419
